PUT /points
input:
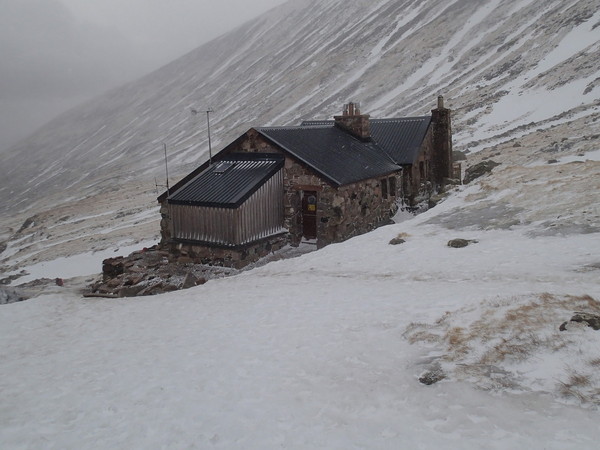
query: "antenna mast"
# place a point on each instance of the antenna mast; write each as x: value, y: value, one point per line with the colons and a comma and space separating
x: 208, y: 111
x: 166, y: 167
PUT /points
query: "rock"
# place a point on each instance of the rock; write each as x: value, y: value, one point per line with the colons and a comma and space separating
x: 133, y: 280
x: 459, y: 156
x: 432, y: 376
x: 592, y: 320
x: 397, y: 241
x: 10, y: 295
x: 437, y: 198
x: 112, y: 267
x: 189, y: 281
x: 451, y: 181
x: 479, y: 170
x: 460, y: 243
x: 130, y: 291
x: 29, y: 222
x: 9, y: 279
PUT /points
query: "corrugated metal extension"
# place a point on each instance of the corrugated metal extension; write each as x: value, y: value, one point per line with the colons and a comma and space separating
x: 260, y: 216
x: 400, y: 138
x: 229, y: 189
x: 336, y: 155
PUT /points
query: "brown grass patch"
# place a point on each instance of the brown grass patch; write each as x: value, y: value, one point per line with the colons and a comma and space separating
x: 512, y: 331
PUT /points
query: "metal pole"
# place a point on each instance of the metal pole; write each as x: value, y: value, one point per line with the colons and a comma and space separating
x: 208, y: 111
x: 166, y: 167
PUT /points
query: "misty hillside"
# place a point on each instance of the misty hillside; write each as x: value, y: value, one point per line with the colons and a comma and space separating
x: 507, y: 68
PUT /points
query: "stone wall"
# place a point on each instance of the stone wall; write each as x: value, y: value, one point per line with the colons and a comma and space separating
x: 417, y: 182
x: 236, y: 257
x: 434, y: 167
x: 355, y: 209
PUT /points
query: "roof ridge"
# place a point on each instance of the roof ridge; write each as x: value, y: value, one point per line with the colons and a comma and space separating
x: 292, y: 127
x: 400, y: 118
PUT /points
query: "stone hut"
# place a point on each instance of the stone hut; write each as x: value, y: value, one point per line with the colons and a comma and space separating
x: 321, y: 182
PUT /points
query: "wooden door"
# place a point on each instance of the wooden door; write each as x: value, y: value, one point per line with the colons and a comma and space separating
x: 309, y: 214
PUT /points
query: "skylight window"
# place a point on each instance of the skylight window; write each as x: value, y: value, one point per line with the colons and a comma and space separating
x: 223, y: 167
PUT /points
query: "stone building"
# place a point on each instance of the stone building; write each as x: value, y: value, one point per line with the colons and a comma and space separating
x: 322, y: 181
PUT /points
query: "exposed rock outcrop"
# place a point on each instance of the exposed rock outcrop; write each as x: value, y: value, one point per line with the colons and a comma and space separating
x: 479, y: 170
x: 10, y: 295
x: 591, y: 320
x: 149, y: 272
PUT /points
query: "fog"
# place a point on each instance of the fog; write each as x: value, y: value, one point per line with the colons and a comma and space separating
x: 55, y: 54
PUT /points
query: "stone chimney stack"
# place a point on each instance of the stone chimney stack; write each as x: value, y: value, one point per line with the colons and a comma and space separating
x: 442, y: 140
x: 354, y: 122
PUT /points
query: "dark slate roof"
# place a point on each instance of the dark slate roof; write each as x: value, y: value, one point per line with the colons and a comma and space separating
x: 400, y: 138
x: 336, y: 155
x: 229, y: 182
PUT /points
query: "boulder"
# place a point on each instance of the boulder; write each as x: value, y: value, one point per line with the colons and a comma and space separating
x: 592, y: 320
x: 189, y: 281
x: 434, y: 200
x: 460, y: 243
x: 479, y: 170
x: 432, y: 376
x: 130, y: 291
x: 112, y: 267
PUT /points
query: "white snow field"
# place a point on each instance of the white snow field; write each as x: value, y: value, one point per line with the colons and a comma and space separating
x: 325, y: 350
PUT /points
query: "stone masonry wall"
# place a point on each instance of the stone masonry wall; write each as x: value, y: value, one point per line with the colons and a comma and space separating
x: 237, y: 257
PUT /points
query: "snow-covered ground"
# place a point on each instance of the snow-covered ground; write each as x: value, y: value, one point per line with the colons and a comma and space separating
x: 325, y: 350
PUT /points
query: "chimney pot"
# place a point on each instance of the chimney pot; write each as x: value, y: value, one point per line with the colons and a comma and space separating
x: 354, y: 122
x: 440, y: 102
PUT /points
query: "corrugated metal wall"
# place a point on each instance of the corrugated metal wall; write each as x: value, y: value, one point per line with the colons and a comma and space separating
x: 258, y: 217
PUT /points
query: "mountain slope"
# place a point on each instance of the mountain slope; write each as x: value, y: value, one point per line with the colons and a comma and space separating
x: 507, y: 68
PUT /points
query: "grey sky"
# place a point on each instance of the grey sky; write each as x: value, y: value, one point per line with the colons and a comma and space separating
x: 57, y: 53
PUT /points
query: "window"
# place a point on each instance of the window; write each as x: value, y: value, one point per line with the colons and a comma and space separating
x: 223, y: 167
x: 392, y: 186
x: 384, y: 188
